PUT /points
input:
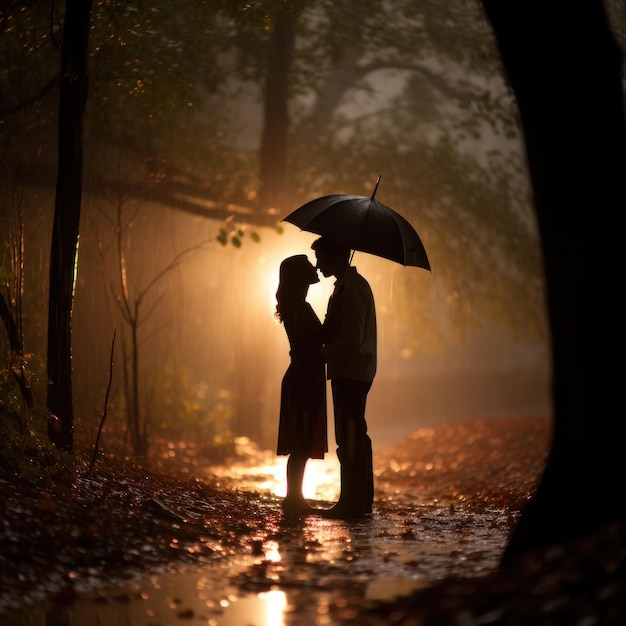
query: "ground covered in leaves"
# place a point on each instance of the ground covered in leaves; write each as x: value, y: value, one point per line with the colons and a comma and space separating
x: 62, y: 538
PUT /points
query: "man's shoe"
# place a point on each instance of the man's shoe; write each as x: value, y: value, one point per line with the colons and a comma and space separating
x: 341, y: 511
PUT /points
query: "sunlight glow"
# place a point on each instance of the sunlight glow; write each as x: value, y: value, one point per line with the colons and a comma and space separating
x: 268, y: 266
x: 321, y: 477
x: 272, y: 552
x: 75, y: 272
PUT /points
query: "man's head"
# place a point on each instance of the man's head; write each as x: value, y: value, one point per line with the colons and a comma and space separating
x: 332, y: 257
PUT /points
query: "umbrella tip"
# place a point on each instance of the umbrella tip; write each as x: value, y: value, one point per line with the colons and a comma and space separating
x: 376, y: 188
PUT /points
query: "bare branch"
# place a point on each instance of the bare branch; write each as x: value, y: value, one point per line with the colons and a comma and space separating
x: 106, y: 406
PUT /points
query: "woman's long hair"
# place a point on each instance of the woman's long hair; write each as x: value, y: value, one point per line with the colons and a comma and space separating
x: 288, y: 294
x: 295, y: 275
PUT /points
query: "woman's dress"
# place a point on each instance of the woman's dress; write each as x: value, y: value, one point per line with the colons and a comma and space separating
x: 302, y: 426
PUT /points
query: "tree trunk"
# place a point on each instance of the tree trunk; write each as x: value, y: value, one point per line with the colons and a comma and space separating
x: 64, y: 245
x: 565, y: 69
x: 16, y: 367
x: 273, y: 151
x: 338, y: 80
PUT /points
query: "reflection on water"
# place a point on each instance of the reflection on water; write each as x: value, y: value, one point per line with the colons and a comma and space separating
x: 293, y: 581
x: 192, y: 598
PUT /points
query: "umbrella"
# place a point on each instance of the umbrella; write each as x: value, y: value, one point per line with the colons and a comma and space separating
x: 362, y: 223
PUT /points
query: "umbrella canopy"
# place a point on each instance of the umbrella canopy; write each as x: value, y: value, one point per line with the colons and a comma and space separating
x: 362, y: 223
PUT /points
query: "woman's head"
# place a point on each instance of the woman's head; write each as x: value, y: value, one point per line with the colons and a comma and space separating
x: 298, y: 270
x: 295, y: 275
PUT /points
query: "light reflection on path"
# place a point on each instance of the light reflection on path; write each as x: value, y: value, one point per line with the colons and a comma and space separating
x: 266, y: 473
x: 189, y: 598
x: 305, y: 566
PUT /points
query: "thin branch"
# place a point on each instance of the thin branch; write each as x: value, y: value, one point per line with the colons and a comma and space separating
x: 174, y: 263
x: 146, y: 315
x: 32, y: 99
x: 156, y: 331
x: 106, y: 406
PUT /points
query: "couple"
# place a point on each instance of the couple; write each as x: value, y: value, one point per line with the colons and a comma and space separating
x: 346, y: 344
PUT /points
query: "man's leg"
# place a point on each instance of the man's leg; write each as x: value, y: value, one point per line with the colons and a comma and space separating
x: 354, y: 447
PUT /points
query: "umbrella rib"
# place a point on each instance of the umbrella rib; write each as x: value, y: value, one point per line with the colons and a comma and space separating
x: 376, y: 187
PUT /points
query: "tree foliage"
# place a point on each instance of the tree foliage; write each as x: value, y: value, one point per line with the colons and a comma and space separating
x: 405, y: 89
x: 412, y: 90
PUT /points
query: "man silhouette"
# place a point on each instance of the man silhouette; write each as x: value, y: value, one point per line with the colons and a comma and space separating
x: 350, y: 350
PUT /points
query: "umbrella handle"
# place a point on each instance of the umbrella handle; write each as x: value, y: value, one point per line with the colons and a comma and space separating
x: 376, y: 188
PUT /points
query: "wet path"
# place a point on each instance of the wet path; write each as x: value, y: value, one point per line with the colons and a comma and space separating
x: 305, y: 568
x: 294, y: 572
x: 282, y: 572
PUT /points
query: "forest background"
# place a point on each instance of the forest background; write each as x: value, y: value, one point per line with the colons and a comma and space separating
x: 206, y: 123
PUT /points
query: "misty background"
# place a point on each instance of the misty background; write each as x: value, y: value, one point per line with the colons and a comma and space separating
x: 203, y: 130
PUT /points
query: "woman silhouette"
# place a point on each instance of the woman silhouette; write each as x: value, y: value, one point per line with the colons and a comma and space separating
x: 302, y: 429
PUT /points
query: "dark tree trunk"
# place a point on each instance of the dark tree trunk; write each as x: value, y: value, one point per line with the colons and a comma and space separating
x: 72, y: 100
x: 16, y: 367
x: 273, y: 151
x: 565, y: 69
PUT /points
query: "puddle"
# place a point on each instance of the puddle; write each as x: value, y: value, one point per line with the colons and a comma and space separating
x: 190, y: 598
